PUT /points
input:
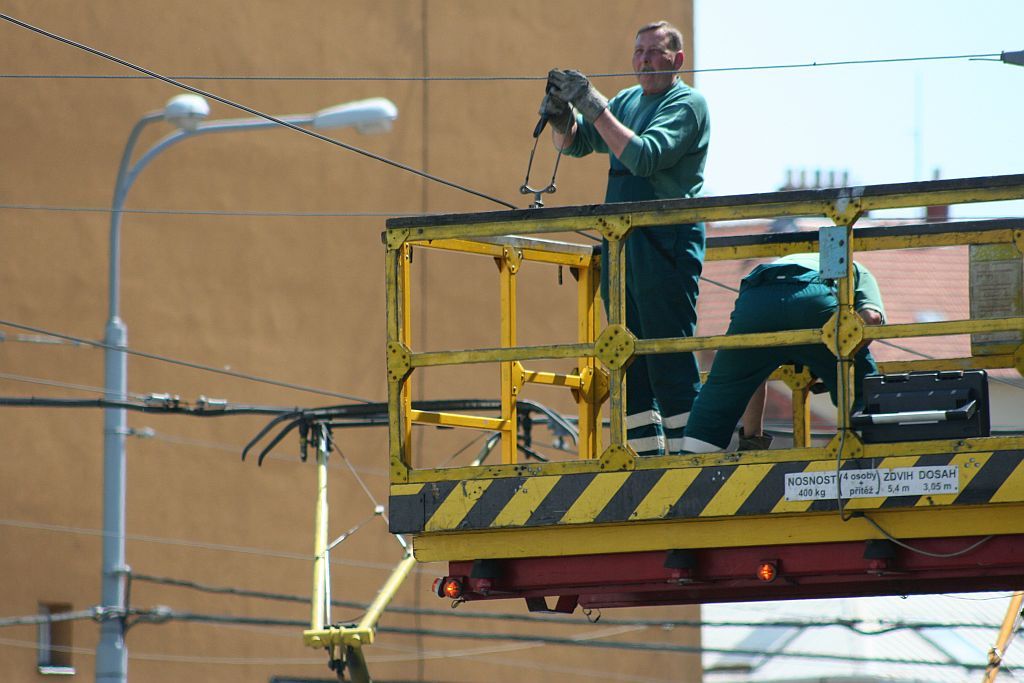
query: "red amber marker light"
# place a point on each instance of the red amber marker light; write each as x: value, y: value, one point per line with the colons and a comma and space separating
x: 453, y: 588
x: 767, y: 571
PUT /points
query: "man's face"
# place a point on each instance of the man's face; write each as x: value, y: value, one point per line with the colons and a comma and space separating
x: 651, y: 53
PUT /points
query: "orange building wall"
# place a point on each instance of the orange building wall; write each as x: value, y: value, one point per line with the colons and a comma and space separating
x: 296, y: 299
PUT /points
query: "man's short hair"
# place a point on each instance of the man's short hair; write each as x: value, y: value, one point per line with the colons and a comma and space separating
x: 675, y: 38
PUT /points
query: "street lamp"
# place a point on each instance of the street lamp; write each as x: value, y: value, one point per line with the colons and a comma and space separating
x: 188, y: 113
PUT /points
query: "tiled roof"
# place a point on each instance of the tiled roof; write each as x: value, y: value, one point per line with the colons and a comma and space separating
x: 918, y: 285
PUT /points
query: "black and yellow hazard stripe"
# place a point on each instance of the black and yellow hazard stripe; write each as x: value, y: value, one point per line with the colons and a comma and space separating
x: 678, y: 493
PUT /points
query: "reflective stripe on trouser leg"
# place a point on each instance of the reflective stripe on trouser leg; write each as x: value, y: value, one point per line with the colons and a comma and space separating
x: 675, y: 427
x: 692, y: 445
x: 643, y: 422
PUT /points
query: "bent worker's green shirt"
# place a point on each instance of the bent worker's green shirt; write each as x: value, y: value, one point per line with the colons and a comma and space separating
x: 866, y: 294
x: 670, y: 145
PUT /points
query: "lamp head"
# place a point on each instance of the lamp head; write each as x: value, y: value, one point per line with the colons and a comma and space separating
x: 373, y: 115
x: 186, y: 111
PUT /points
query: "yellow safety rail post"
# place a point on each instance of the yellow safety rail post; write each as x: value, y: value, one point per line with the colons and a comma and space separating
x: 398, y: 357
x: 508, y: 266
x: 616, y: 344
x: 799, y: 384
x: 405, y: 286
x: 593, y: 384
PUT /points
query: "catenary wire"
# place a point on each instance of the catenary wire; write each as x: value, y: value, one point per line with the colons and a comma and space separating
x: 519, y: 663
x: 254, y: 112
x: 591, y: 640
x: 187, y: 543
x: 210, y: 212
x: 187, y: 364
x: 149, y: 433
x: 35, y: 619
x: 56, y: 208
x: 63, y: 385
x: 884, y: 626
x: 384, y: 79
x: 35, y: 339
x: 362, y: 484
x: 587, y: 640
x: 158, y: 657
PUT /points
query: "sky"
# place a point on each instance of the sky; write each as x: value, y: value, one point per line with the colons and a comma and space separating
x: 880, y: 123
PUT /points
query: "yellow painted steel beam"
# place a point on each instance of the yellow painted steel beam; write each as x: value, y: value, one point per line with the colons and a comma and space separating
x: 540, y: 251
x: 398, y: 455
x: 459, y: 420
x: 978, y: 444
x: 615, y: 261
x: 405, y: 335
x: 945, y: 239
x: 750, y: 251
x: 947, y: 327
x: 995, y: 362
x: 981, y: 444
x: 821, y: 203
x: 538, y: 469
x: 593, y: 380
x: 424, y: 359
x: 552, y: 379
x: 622, y: 493
x: 729, y: 252
x: 820, y: 527
x: 827, y: 204
x: 508, y: 266
x: 730, y: 341
x: 843, y: 204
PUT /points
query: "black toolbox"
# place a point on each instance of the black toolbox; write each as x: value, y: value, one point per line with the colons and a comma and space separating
x: 916, y: 406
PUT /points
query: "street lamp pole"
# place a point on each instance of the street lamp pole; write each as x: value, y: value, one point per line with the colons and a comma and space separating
x: 374, y: 115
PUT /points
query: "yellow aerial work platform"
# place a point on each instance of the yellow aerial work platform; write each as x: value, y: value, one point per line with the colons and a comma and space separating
x: 611, y: 528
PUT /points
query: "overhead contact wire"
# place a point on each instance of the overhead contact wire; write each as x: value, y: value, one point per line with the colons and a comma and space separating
x: 187, y: 364
x: 200, y: 212
x: 761, y: 67
x: 254, y: 112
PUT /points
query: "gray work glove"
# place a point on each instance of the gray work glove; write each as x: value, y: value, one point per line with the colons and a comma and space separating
x: 573, y: 87
x: 558, y: 113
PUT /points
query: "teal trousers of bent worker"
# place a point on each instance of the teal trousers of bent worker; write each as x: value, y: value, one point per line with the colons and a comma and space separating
x: 768, y: 306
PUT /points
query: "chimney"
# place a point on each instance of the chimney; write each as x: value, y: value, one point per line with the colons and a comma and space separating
x: 936, y: 214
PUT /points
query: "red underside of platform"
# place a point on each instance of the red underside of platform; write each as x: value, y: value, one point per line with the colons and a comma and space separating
x: 820, y: 570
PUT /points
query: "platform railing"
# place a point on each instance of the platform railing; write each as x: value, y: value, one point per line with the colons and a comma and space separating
x: 602, y: 355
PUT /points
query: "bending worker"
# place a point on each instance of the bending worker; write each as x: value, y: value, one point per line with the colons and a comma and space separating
x: 656, y: 136
x: 785, y: 295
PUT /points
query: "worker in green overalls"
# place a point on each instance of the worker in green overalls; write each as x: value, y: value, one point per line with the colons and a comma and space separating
x: 787, y: 294
x: 656, y: 135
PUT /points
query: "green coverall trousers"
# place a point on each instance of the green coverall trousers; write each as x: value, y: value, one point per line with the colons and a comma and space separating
x: 767, y: 306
